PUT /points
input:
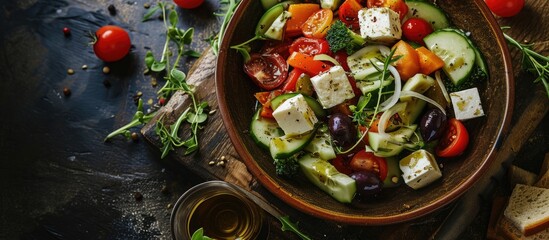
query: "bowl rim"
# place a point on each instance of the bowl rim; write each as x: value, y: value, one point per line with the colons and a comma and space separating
x: 316, y: 211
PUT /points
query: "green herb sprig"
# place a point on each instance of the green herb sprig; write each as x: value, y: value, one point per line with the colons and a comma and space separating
x: 532, y: 61
x: 227, y: 13
x: 288, y: 225
x: 196, y: 113
x: 199, y: 235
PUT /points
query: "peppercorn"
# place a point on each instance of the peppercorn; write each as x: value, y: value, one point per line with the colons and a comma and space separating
x: 66, y: 91
x: 66, y: 31
x: 112, y: 9
x: 135, y: 136
x: 138, y: 196
x: 161, y: 101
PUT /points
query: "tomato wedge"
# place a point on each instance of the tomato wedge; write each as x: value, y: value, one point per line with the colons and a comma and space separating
x: 290, y: 84
x: 348, y: 13
x: 307, y: 63
x: 310, y: 46
x: 275, y: 46
x: 398, y: 6
x: 317, y: 25
x: 367, y: 161
x: 265, y: 99
x: 268, y: 71
x: 341, y: 165
x: 454, y: 141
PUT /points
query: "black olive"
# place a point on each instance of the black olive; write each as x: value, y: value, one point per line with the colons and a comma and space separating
x: 342, y: 130
x: 432, y: 124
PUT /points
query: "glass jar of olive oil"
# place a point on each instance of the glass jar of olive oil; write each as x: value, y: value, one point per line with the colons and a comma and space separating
x: 220, y: 209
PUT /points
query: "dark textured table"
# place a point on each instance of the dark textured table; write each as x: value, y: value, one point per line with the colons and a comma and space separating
x: 59, y: 180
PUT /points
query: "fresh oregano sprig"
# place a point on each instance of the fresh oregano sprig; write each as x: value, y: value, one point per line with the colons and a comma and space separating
x: 288, y: 225
x: 228, y: 9
x: 139, y: 118
x: 532, y: 61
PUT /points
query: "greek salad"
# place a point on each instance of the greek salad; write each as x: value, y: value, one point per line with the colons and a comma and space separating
x: 362, y: 96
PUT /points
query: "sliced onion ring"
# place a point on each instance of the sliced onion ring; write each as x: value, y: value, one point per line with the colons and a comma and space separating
x: 442, y: 87
x: 326, y: 57
x: 422, y: 97
x: 386, y: 117
x: 396, y: 94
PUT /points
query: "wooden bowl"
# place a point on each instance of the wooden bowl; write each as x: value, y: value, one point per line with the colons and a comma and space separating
x: 236, y: 102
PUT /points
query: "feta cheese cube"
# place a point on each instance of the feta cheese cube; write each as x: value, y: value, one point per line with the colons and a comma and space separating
x: 295, y: 116
x: 332, y: 87
x: 419, y: 169
x: 380, y: 25
x: 467, y: 104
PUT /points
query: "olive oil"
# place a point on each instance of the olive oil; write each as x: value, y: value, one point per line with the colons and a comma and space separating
x: 225, y: 215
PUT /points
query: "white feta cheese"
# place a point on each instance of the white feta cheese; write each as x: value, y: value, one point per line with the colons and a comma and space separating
x: 331, y: 4
x: 380, y: 25
x: 332, y: 87
x: 467, y: 104
x: 295, y: 116
x: 419, y: 169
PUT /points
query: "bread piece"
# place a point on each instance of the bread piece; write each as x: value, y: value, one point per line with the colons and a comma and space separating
x: 509, y: 231
x: 520, y: 176
x: 528, y: 209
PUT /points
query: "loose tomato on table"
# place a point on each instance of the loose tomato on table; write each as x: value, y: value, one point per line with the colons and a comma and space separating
x: 454, y: 141
x: 398, y: 6
x: 188, y: 4
x: 111, y: 43
x: 348, y: 13
x: 317, y: 25
x: 268, y: 71
x: 505, y: 8
x: 415, y: 29
x: 367, y: 161
x: 310, y: 46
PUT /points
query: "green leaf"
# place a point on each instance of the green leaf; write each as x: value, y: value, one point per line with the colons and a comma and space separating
x: 158, y: 66
x: 173, y: 18
x: 148, y: 16
x: 149, y: 59
x: 287, y: 225
x: 192, y: 53
x: 199, y: 235
x: 188, y: 36
x: 178, y: 75
x: 197, y: 118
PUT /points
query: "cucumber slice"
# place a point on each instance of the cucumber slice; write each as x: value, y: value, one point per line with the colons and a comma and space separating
x: 394, y: 174
x: 276, y: 30
x: 269, y: 3
x: 428, y: 11
x: 321, y: 145
x: 326, y: 177
x: 269, y: 17
x: 414, y: 106
x: 313, y: 103
x: 285, y: 146
x: 392, y: 143
x: 360, y: 62
x: 370, y: 86
x: 264, y: 129
x: 454, y: 49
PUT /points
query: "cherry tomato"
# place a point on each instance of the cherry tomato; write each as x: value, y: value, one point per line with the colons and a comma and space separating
x: 265, y: 99
x: 112, y: 43
x: 268, y: 71
x: 341, y: 58
x: 505, y: 8
x: 310, y: 46
x: 454, y: 141
x: 348, y: 13
x: 367, y: 161
x: 415, y: 29
x: 317, y: 25
x: 342, y: 165
x: 398, y: 6
x: 275, y: 46
x: 188, y: 4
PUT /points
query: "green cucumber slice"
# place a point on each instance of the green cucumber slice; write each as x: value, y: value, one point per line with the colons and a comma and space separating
x: 454, y: 49
x: 286, y: 146
x: 321, y: 145
x: 429, y: 12
x: 269, y: 17
x: 360, y: 62
x: 264, y: 129
x: 326, y: 177
x: 392, y: 143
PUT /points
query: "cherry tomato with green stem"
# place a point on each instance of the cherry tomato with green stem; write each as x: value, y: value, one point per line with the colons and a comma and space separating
x: 111, y: 43
x: 505, y: 8
x: 188, y: 4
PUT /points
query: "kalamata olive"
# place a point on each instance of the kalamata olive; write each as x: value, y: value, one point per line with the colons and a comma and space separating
x: 432, y: 124
x: 368, y: 184
x: 342, y: 130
